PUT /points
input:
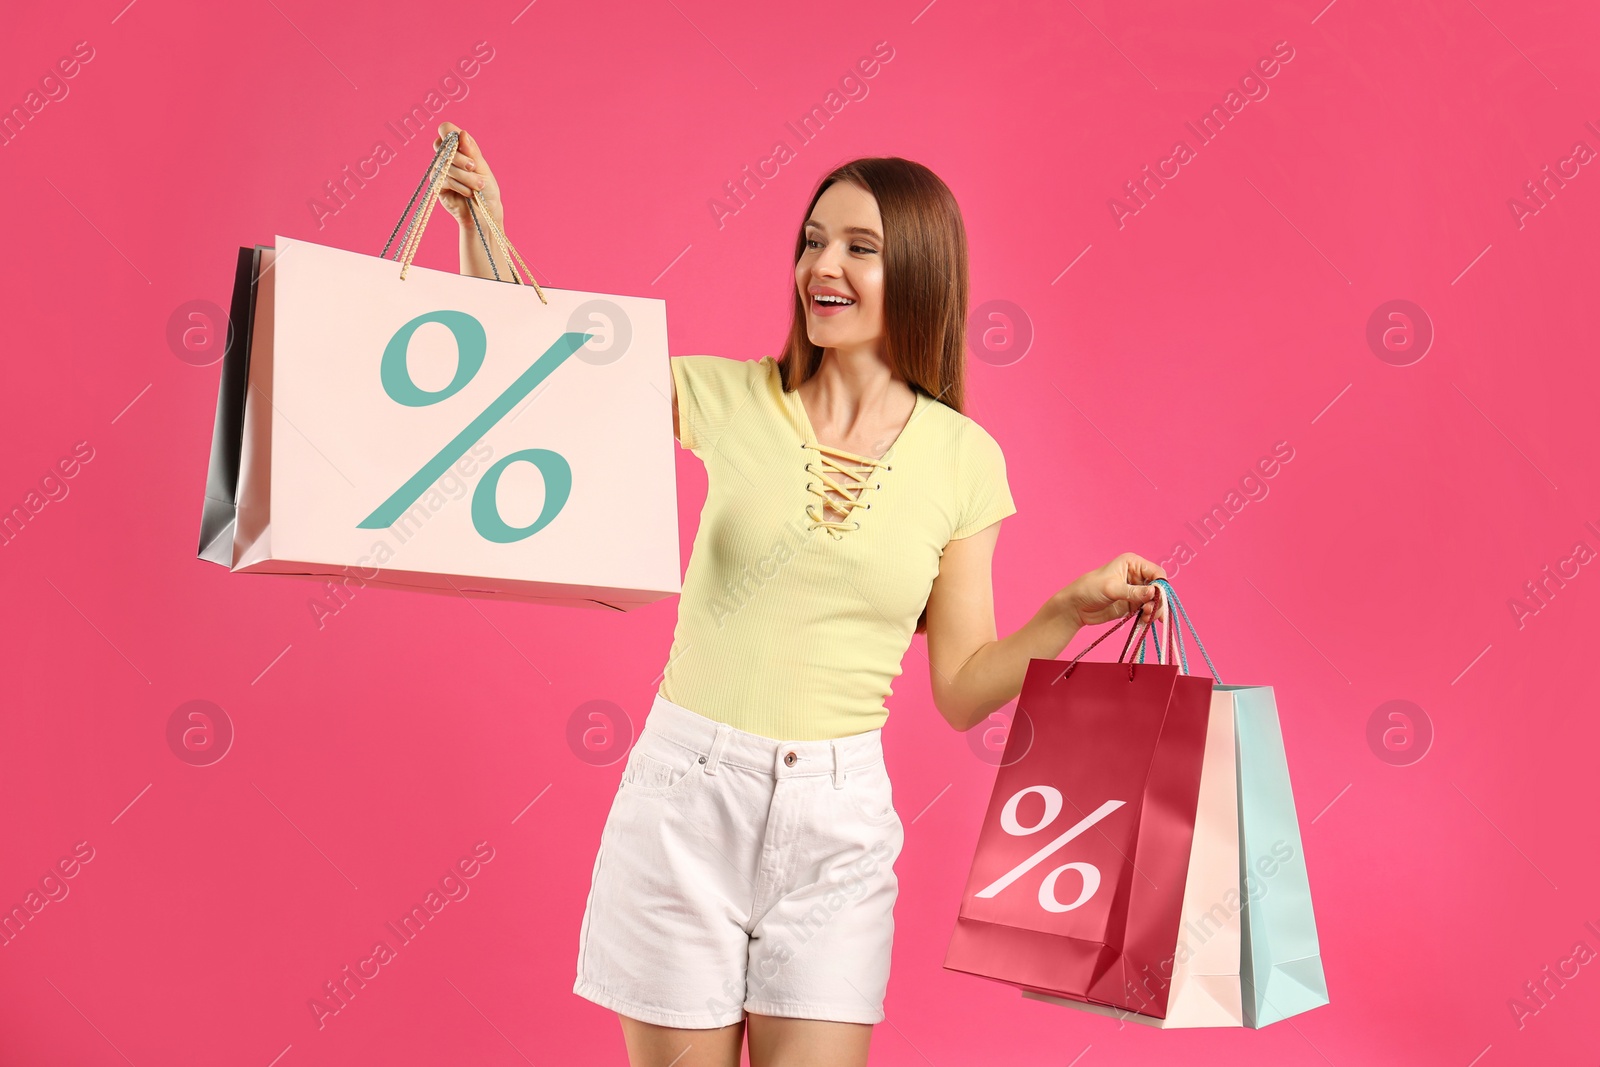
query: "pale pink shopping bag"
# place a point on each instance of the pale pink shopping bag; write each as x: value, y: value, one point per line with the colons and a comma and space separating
x: 451, y: 433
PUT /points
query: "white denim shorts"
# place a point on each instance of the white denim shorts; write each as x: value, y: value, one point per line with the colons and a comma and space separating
x: 741, y: 873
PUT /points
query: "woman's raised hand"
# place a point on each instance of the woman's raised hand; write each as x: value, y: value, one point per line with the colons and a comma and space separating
x: 468, y: 172
x: 1112, y: 591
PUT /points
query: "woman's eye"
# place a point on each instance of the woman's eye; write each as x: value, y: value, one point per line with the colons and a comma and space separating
x: 812, y: 242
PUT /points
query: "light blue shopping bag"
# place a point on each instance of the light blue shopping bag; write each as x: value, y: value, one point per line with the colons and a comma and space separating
x: 1281, y: 964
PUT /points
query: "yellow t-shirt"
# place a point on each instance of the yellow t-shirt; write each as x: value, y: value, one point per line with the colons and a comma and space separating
x: 793, y: 618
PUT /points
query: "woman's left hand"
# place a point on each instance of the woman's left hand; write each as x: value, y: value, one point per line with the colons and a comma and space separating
x: 1112, y: 591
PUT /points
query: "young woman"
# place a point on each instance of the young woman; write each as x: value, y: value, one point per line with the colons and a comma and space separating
x: 745, y: 873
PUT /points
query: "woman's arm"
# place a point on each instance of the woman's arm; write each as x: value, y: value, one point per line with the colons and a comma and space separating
x: 474, y: 261
x: 972, y: 672
x: 469, y: 171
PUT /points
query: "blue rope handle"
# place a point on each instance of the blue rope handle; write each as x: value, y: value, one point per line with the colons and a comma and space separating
x: 1156, y: 640
x: 1151, y: 637
x: 1154, y: 636
x: 1183, y: 614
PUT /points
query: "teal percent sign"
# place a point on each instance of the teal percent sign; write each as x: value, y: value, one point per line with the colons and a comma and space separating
x: 472, y: 344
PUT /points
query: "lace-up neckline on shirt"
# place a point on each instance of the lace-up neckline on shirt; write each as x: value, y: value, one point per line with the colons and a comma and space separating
x: 847, y: 473
x: 858, y: 470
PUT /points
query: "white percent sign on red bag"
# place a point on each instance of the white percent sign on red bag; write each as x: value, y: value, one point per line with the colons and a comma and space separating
x: 1088, y: 872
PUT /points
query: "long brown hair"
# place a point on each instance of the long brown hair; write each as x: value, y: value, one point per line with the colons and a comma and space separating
x: 924, y: 279
x: 924, y: 283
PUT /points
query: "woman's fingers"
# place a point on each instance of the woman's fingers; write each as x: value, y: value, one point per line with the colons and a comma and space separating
x: 466, y: 147
x: 1142, y: 569
x: 1124, y: 589
x: 1118, y: 589
x: 465, y: 144
x: 1141, y: 573
x: 1129, y: 581
x: 464, y: 178
x: 1148, y: 573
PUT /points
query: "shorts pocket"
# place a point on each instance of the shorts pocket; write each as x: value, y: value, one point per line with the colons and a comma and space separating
x: 658, y: 767
x: 871, y: 794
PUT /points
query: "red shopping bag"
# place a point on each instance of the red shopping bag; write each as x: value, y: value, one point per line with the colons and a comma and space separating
x: 1076, y: 888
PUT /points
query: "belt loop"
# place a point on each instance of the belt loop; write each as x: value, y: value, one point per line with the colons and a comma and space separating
x: 838, y: 766
x: 723, y: 730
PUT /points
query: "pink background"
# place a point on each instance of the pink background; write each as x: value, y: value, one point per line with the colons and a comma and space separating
x: 1229, y: 314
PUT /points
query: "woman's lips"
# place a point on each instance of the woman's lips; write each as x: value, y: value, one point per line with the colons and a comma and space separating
x: 819, y: 307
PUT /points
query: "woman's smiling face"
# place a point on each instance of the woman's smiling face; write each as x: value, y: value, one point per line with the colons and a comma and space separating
x: 843, y: 257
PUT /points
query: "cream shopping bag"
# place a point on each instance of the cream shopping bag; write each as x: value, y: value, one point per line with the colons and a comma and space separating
x: 422, y: 429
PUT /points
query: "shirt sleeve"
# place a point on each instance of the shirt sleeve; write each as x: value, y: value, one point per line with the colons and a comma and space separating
x: 985, y: 492
x: 710, y: 391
